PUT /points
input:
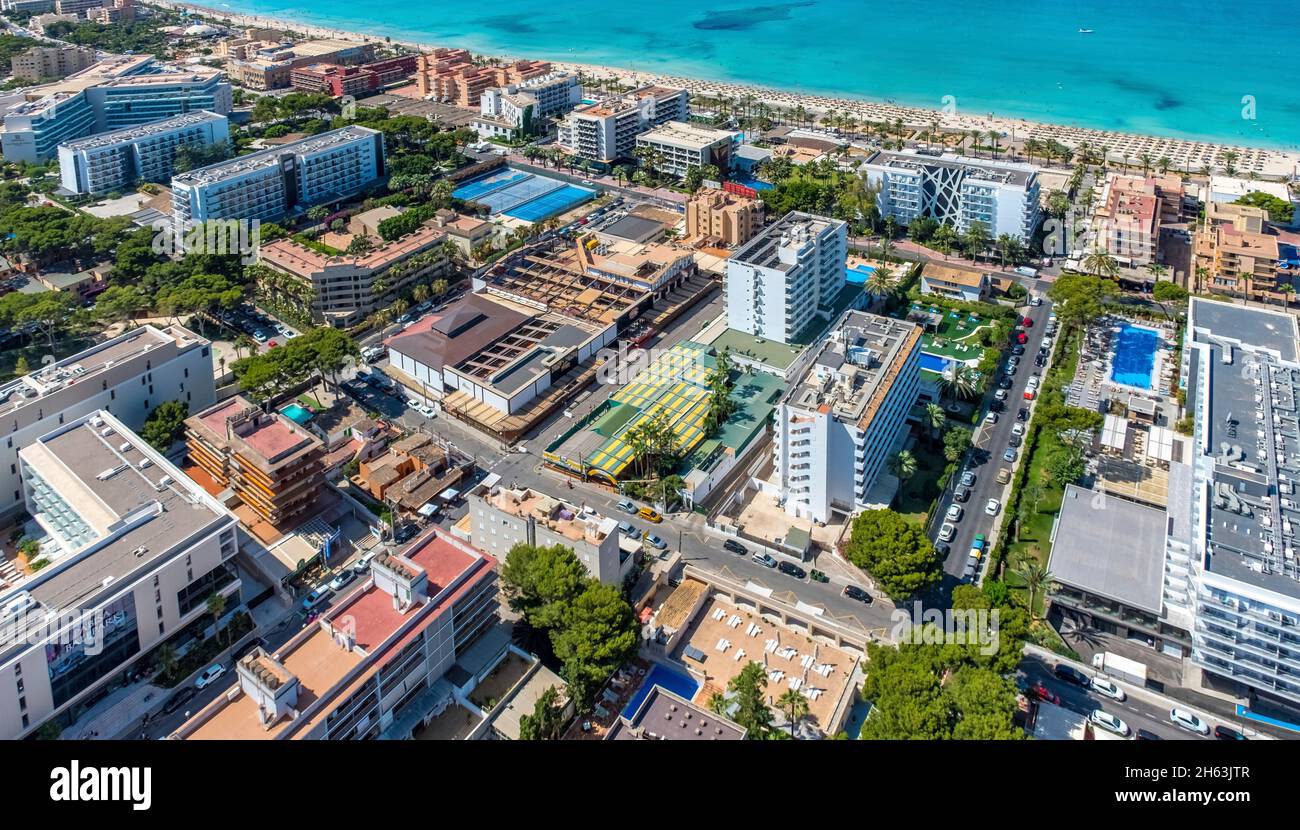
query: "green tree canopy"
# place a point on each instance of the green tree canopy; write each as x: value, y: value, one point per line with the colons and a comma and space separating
x: 165, y: 424
x: 894, y: 551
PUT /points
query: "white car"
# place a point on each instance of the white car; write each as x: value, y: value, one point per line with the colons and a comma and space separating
x: 210, y: 675
x: 991, y: 418
x: 426, y: 410
x: 947, y: 532
x: 1110, y: 723
x: 954, y: 513
x: 1186, y: 720
x: 993, y: 507
x: 1103, y: 686
x: 1018, y: 428
x: 1001, y: 394
x: 412, y: 403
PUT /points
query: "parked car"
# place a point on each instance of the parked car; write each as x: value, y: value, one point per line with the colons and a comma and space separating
x: 1041, y: 692
x: 971, y: 569
x: 954, y: 513
x: 1104, y: 686
x: 627, y: 506
x: 1017, y: 429
x: 179, y: 699
x: 1013, y: 440
x: 426, y: 410
x: 1022, y: 338
x: 628, y: 530
x: 1186, y: 720
x: 968, y: 478
x: 1000, y: 395
x: 1023, y: 414
x: 943, y: 549
x: 993, y: 507
x: 991, y: 418
x: 1144, y: 735
x: 1009, y: 455
x: 1110, y: 723
x: 1040, y: 361
x: 210, y: 675
x: 1004, y: 383
x: 318, y: 595
x: 655, y: 542
x: 1004, y: 476
x: 650, y: 515
x: 1036, y: 301
x: 961, y: 494
x: 946, y: 532
x: 854, y: 592
x: 764, y: 559
x: 1072, y: 675
x: 1227, y: 733
x: 1030, y: 394
x: 735, y: 547
x: 339, y: 582
x: 1017, y: 350
x: 1026, y: 322
x: 363, y: 564
x: 996, y: 405
x: 791, y: 569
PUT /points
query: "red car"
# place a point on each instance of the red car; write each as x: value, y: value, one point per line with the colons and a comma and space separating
x: 1029, y: 394
x: 1027, y: 323
x: 271, y: 344
x: 1022, y: 338
x: 1041, y: 692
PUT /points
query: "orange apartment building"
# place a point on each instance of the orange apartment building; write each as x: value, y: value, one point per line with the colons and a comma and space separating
x: 451, y: 76
x: 1237, y: 254
x: 729, y: 218
x: 1131, y: 210
x: 273, y: 465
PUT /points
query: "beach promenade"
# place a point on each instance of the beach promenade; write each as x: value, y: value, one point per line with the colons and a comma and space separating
x: 1124, y: 148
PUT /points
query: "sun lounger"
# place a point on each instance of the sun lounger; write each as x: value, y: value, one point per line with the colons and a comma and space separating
x: 610, y: 696
x: 776, y: 676
x: 601, y: 711
x: 718, y: 614
x: 721, y: 646
x: 769, y: 646
x: 794, y: 683
x: 734, y: 621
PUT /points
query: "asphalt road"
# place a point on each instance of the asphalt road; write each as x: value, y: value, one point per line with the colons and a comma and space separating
x: 989, y: 443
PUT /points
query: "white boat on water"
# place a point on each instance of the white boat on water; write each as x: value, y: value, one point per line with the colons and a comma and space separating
x: 1085, y: 31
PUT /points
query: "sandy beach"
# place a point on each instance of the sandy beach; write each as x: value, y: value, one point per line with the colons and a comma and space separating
x: 1186, y: 155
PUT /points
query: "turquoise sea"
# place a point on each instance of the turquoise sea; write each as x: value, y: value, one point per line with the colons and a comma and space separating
x: 1167, y: 67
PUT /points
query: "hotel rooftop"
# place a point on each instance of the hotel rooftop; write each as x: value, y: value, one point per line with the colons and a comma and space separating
x: 176, y: 122
x: 269, y: 440
x: 764, y: 250
x: 271, y: 157
x: 555, y: 515
x: 289, y: 694
x: 298, y: 259
x: 682, y: 134
x: 856, y: 366
x: 664, y: 716
x: 113, y: 504
x: 1248, y: 422
x: 998, y: 172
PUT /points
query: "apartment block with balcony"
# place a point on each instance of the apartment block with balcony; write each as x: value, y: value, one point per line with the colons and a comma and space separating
x: 115, y: 160
x: 838, y: 424
x: 116, y: 93
x: 452, y: 77
x: 345, y: 289
x: 41, y: 63
x: 127, y: 376
x: 1002, y: 196
x: 719, y: 217
x: 270, y: 184
x: 606, y: 130
x: 271, y: 65
x: 502, y: 517
x: 272, y: 464
x: 1237, y: 252
x: 379, y: 664
x: 788, y: 277
x: 1240, y: 580
x: 126, y: 538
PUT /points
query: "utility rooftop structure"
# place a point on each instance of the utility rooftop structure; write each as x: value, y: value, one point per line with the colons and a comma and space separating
x: 838, y: 424
x: 1236, y: 569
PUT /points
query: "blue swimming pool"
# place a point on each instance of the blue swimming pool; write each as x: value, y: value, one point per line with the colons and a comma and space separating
x: 1135, y: 356
x: 858, y: 274
x: 679, y: 683
x: 934, y: 363
x: 297, y: 414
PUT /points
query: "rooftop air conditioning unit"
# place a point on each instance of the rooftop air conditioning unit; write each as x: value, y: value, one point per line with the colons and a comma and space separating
x: 106, y: 431
x: 125, y: 446
x: 145, y: 462
x: 164, y: 481
x: 96, y: 421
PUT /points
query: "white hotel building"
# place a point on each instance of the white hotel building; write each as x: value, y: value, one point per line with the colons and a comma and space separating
x: 127, y: 376
x: 787, y: 276
x: 606, y: 131
x: 684, y: 146
x: 838, y: 424
x: 270, y: 184
x: 115, y: 160
x: 127, y: 536
x: 514, y: 110
x: 1002, y: 196
x: 1232, y: 575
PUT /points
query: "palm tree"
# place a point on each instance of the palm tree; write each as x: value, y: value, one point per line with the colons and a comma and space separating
x: 1286, y: 289
x: 1146, y: 161
x: 167, y: 661
x: 1163, y: 164
x: 903, y: 465
x: 935, y: 419
x: 959, y: 384
x: 794, y: 705
x: 718, y: 704
x: 216, y: 607
x: 1101, y: 263
x: 1202, y: 274
x: 881, y: 281
x: 1036, y: 577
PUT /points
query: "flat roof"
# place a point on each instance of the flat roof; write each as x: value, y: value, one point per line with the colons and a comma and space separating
x: 185, y: 119
x: 1111, y: 547
x: 763, y: 250
x: 271, y: 157
x: 1259, y: 327
x: 132, y: 518
x: 665, y: 716
x: 682, y: 134
x: 1000, y: 172
x: 636, y: 228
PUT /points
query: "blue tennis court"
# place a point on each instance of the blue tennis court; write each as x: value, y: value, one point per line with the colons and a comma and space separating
x: 676, y: 682
x: 472, y: 190
x: 549, y: 204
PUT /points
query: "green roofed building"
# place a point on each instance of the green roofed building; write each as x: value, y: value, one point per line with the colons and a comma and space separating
x: 675, y: 388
